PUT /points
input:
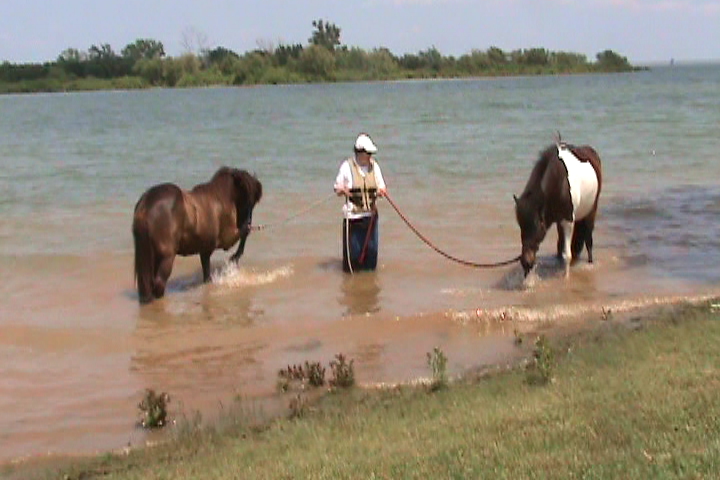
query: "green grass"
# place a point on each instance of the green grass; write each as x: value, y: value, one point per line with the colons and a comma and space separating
x: 635, y: 400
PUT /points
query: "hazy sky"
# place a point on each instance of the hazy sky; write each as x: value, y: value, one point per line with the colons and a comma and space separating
x: 642, y: 30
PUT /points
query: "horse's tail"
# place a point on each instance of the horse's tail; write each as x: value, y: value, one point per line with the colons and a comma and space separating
x: 144, y: 257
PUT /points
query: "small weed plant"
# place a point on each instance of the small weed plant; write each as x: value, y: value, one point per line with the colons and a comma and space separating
x: 315, y: 374
x: 343, y: 372
x: 153, y: 409
x: 437, y: 361
x: 298, y: 406
x: 540, y: 371
x: 312, y: 374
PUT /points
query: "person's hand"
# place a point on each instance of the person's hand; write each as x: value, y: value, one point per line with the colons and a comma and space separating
x: 381, y: 192
x: 342, y: 190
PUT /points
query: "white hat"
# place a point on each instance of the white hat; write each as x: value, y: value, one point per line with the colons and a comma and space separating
x: 365, y: 144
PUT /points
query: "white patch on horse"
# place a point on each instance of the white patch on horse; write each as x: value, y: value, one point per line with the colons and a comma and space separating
x: 583, y: 183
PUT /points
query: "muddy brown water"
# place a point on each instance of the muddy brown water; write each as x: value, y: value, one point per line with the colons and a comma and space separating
x: 77, y: 351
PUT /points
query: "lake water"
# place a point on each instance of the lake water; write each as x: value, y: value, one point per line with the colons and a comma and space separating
x: 77, y: 351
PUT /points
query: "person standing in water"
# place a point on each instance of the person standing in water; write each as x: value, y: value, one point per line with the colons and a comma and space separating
x: 360, y: 181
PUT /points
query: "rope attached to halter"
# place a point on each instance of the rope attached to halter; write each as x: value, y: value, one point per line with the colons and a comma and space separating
x: 361, y: 260
x: 441, y: 252
x: 265, y: 226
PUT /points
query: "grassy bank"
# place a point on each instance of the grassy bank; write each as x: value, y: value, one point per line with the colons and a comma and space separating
x: 629, y: 399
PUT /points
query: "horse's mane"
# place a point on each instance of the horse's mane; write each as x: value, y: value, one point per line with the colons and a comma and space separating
x: 538, y: 171
x: 251, y: 184
x: 223, y: 182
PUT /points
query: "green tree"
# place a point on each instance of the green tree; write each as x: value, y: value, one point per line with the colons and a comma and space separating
x: 223, y: 59
x: 251, y: 68
x: 476, y: 62
x: 535, y: 56
x: 431, y: 59
x: 72, y: 55
x: 218, y: 54
x: 172, y: 71
x: 317, y: 62
x: 382, y: 64
x: 103, y: 62
x: 496, y: 56
x: 143, y: 48
x: 73, y: 61
x: 326, y: 35
x: 410, y: 61
x: 611, y: 61
x: 150, y: 69
x: 354, y: 58
x: 190, y: 63
x: 10, y: 72
x: 284, y: 53
x: 568, y: 60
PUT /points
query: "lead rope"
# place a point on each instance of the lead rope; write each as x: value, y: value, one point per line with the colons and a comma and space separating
x: 347, y: 245
x: 265, y: 226
x: 441, y: 252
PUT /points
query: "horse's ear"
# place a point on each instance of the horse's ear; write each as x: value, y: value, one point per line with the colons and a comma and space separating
x: 557, y: 137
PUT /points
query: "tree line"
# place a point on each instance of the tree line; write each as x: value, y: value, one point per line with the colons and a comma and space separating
x: 324, y: 58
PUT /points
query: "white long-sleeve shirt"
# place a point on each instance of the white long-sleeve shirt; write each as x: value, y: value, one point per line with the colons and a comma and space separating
x: 344, y: 179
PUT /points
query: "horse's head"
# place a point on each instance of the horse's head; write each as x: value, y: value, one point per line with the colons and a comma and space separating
x: 529, y: 214
x: 249, y: 188
x: 248, y: 192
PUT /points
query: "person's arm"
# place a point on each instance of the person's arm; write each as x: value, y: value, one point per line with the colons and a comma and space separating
x: 382, y: 188
x: 343, y: 180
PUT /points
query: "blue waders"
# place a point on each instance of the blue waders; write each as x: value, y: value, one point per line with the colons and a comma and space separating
x: 359, y: 240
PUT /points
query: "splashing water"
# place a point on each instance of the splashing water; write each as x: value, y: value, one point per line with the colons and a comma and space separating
x: 230, y: 275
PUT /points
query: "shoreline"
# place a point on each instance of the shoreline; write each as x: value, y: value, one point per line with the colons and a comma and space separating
x: 529, y: 322
x: 102, y: 85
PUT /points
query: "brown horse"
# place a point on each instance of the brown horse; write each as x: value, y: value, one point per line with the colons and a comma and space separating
x: 564, y: 188
x: 169, y: 221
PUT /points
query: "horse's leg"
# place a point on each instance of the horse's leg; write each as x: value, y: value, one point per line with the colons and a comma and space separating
x: 241, y: 248
x: 568, y: 228
x: 244, y: 232
x: 205, y: 262
x: 589, y: 244
x: 560, y: 241
x: 579, y: 239
x: 589, y: 227
x: 162, y: 274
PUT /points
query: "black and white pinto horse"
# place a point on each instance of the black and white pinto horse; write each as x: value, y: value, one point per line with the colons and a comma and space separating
x: 563, y: 188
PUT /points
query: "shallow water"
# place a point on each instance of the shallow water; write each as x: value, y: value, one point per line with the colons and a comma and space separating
x: 77, y: 351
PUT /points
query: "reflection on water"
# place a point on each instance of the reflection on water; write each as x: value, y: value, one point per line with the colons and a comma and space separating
x: 208, y: 306
x: 360, y: 293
